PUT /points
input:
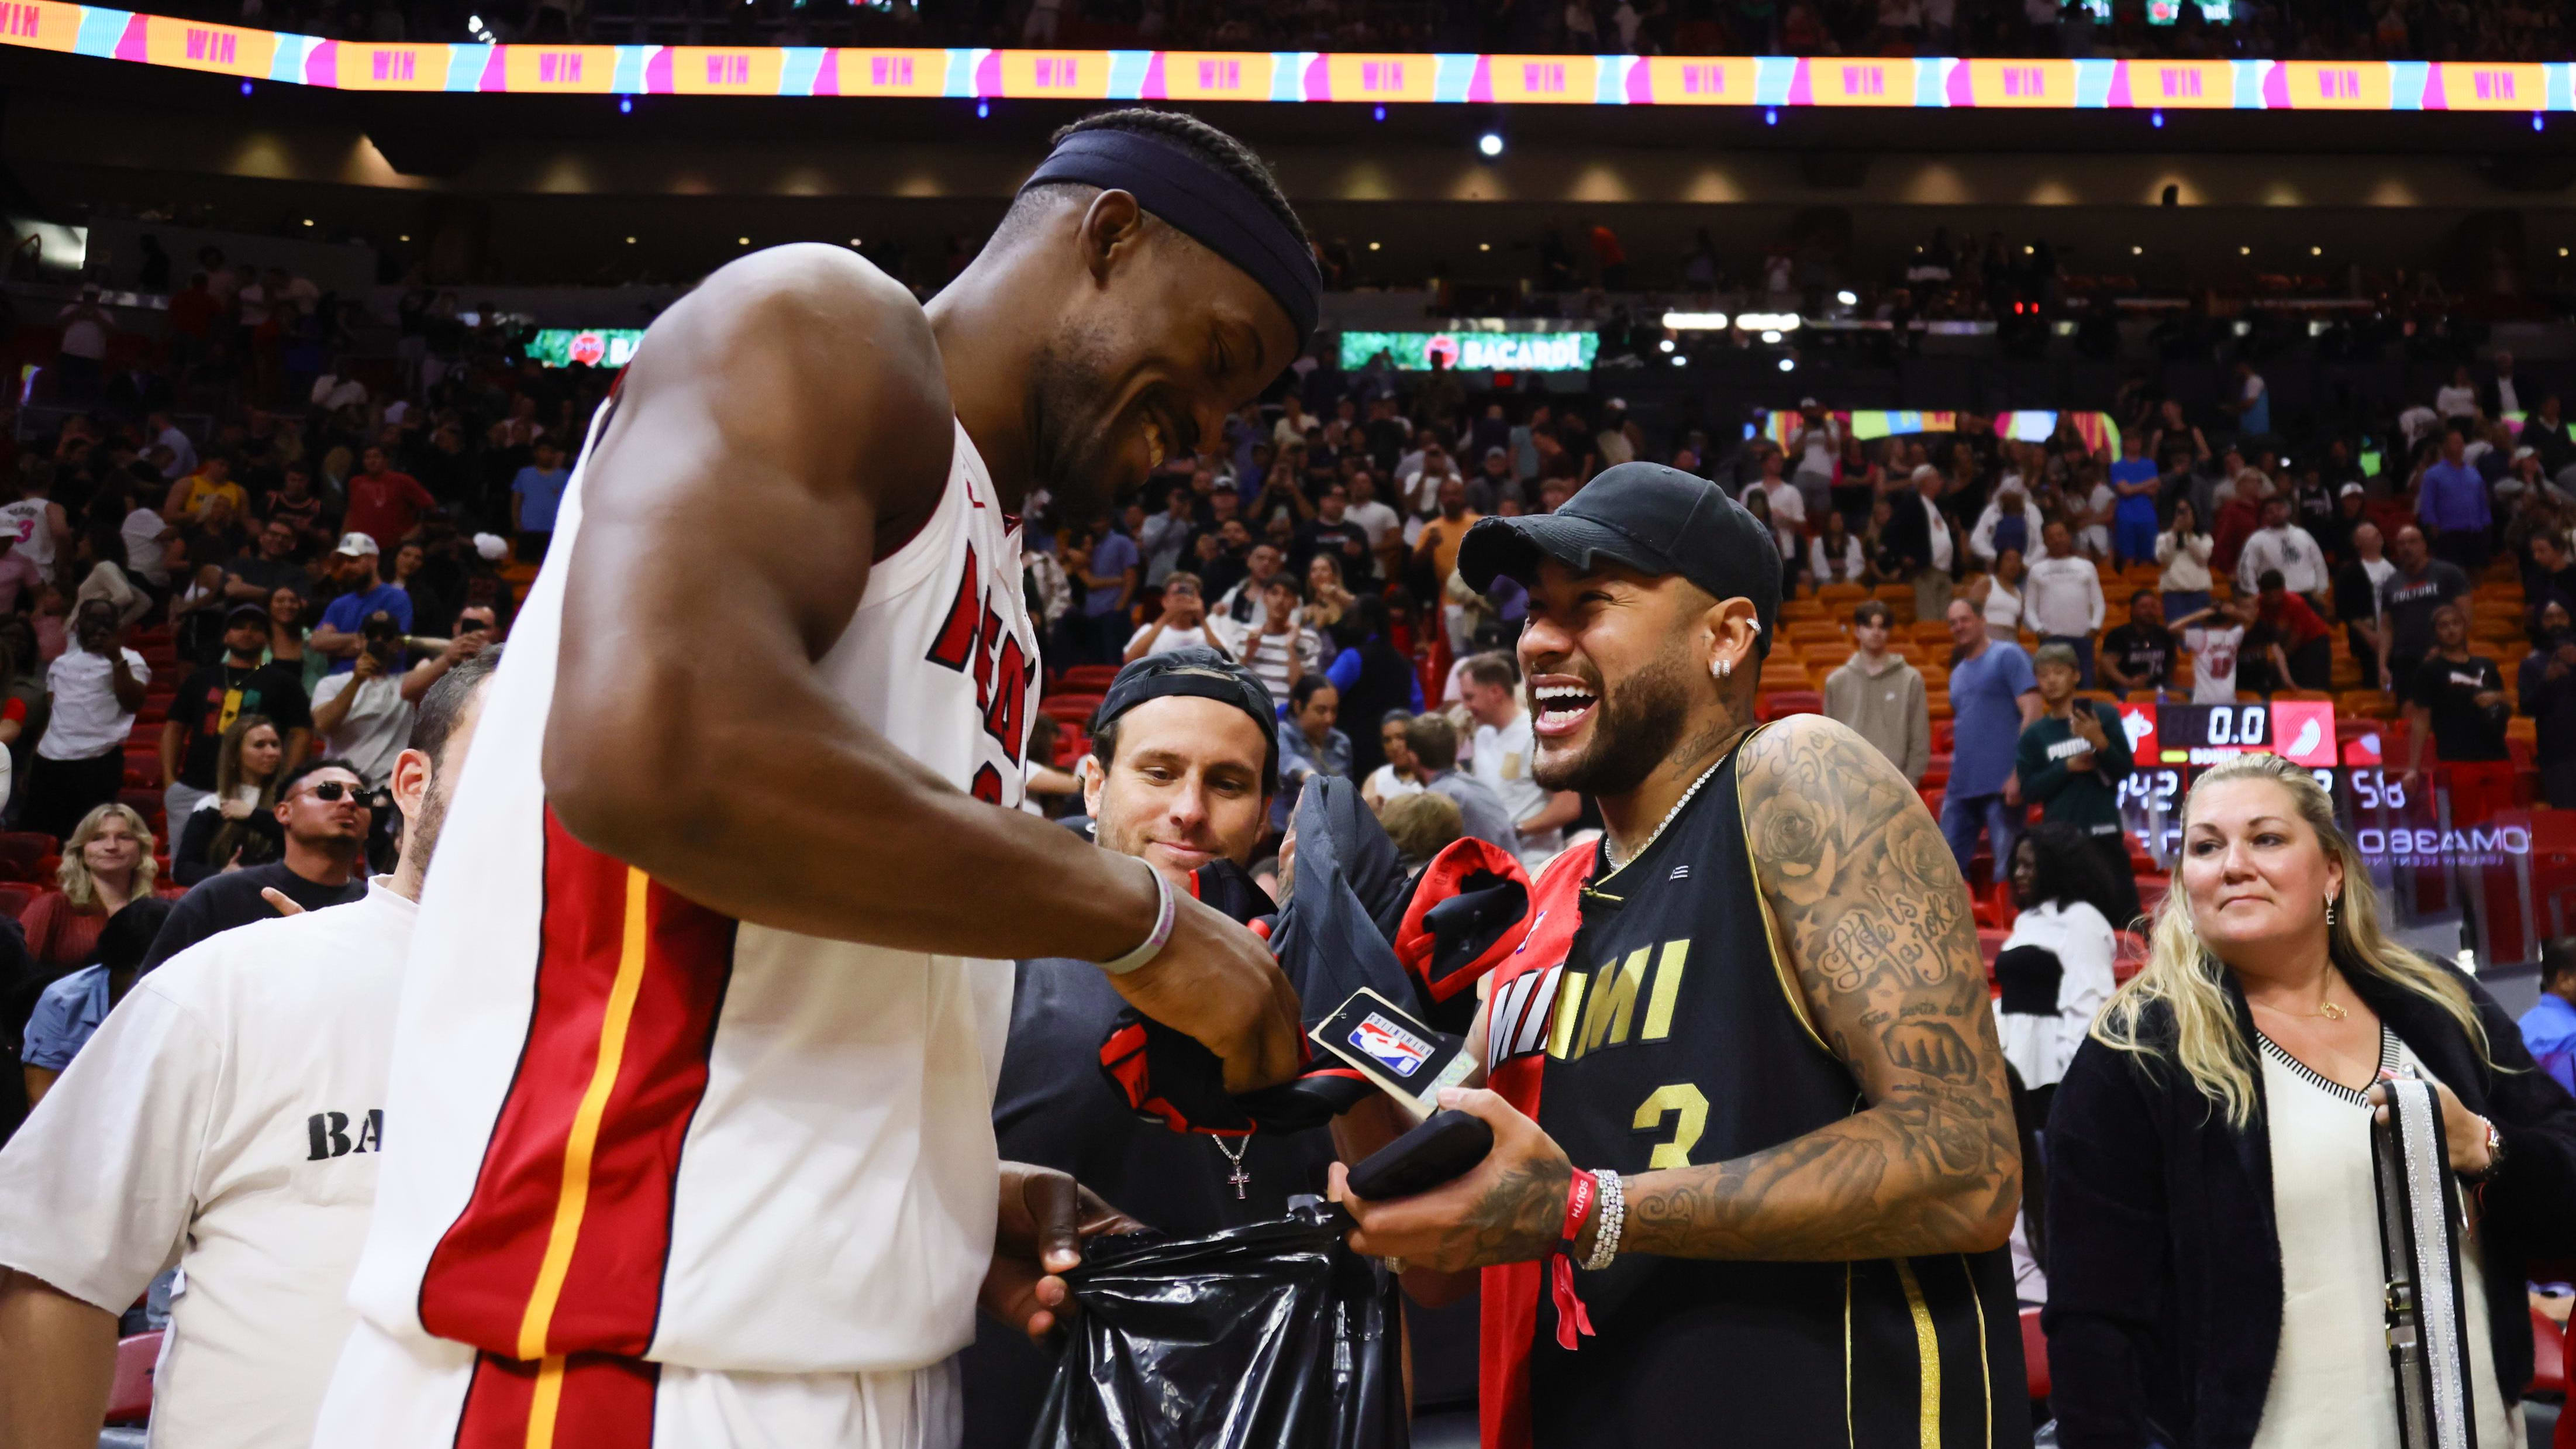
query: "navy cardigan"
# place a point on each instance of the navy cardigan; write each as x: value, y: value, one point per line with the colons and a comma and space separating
x: 2164, y: 1260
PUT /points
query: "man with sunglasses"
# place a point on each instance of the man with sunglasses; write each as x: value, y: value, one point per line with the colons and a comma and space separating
x: 322, y: 807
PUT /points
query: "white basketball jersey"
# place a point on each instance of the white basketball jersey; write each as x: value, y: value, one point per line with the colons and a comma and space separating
x: 621, y: 1123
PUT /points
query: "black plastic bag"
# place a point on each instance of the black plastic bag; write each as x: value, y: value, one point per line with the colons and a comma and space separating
x: 1272, y: 1336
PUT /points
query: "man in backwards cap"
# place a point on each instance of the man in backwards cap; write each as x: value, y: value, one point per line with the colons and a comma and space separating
x: 1741, y: 1074
x: 695, y: 1066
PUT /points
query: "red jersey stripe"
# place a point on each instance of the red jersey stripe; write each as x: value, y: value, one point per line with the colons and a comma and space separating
x: 586, y: 1401
x: 561, y: 1247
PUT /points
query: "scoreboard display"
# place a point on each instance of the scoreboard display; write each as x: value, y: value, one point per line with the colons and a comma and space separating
x: 2172, y: 744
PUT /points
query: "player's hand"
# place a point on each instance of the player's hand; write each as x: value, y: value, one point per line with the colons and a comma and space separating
x: 1045, y: 1218
x: 278, y: 900
x: 1509, y: 1209
x: 367, y: 665
x: 1216, y: 981
x: 2082, y: 762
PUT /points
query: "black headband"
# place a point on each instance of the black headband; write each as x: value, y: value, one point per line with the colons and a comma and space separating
x: 1203, y: 674
x: 1212, y: 208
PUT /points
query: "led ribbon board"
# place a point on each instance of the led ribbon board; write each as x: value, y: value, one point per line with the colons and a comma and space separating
x: 2099, y: 432
x: 1291, y: 76
x: 1473, y: 351
x: 589, y: 346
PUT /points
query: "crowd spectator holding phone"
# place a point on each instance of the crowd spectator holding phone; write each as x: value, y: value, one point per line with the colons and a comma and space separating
x: 364, y: 593
x: 1183, y: 624
x: 97, y: 686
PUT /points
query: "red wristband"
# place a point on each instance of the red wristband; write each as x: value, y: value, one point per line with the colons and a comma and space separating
x: 1571, y: 1317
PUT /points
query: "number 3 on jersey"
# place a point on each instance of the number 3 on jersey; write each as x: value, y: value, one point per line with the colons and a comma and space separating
x: 1688, y: 1106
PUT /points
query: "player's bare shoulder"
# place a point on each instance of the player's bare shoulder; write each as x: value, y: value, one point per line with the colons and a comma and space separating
x: 808, y: 356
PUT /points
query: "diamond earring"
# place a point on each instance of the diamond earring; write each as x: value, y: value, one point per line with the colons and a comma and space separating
x: 1722, y: 668
x: 2330, y: 905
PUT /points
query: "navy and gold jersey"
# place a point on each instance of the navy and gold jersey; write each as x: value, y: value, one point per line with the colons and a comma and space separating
x: 1676, y: 1036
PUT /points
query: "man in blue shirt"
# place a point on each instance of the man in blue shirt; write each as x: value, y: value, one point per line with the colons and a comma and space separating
x: 2453, y: 507
x: 535, y: 494
x: 1109, y: 576
x: 1994, y: 696
x: 2549, y: 1028
x: 2135, y: 479
x: 341, y: 634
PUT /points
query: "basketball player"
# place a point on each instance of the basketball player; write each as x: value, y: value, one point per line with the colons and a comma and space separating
x: 1754, y: 1015
x: 694, y: 1068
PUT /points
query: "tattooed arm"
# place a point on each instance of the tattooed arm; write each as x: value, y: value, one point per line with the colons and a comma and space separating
x: 1869, y: 908
x: 1872, y: 914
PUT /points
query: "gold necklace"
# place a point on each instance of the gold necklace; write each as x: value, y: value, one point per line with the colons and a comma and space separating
x: 2326, y: 1010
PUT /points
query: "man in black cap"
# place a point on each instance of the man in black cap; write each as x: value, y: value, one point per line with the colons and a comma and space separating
x: 1185, y: 757
x: 1774, y: 1133
x: 210, y: 700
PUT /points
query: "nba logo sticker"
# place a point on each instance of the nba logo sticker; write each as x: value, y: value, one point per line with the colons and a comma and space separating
x: 1398, y: 1050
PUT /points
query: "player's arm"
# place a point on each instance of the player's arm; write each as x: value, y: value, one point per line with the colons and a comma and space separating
x: 781, y: 424
x: 62, y: 1358
x: 1875, y: 921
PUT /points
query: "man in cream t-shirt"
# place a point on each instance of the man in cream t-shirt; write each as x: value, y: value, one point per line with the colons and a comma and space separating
x: 1489, y: 688
x: 226, y: 1119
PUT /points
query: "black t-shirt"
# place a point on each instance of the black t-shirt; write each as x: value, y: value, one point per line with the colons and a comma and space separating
x: 1316, y: 536
x: 222, y: 902
x: 2408, y: 604
x: 212, y: 698
x: 2144, y: 652
x: 2356, y: 597
x: 2462, y: 730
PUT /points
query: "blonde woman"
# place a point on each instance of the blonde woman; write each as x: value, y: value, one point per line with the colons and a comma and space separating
x: 2213, y: 1237
x: 107, y: 862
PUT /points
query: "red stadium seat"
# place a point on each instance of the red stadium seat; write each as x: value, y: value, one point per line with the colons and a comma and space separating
x: 2128, y: 955
x: 1780, y: 702
x: 2565, y: 1438
x: 1089, y: 678
x: 2034, y: 1353
x: 146, y: 803
x: 22, y: 853
x: 2548, y: 1356
x: 1072, y: 709
x: 15, y: 897
x: 129, y: 1393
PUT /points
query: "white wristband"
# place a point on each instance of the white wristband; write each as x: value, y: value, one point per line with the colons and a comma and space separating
x: 1165, y: 908
x: 1613, y: 1216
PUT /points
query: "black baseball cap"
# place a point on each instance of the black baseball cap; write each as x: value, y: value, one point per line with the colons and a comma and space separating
x: 1204, y: 674
x: 1653, y: 519
x: 246, y: 613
